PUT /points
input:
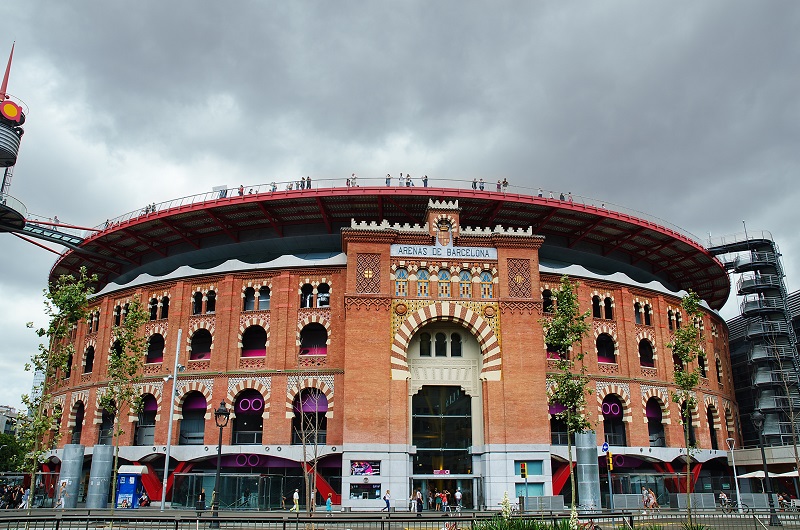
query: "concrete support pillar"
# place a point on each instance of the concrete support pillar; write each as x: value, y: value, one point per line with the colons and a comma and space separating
x: 70, y: 476
x: 100, y: 477
x: 587, y: 472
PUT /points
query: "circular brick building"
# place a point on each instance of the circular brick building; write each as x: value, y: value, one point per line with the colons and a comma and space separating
x: 390, y: 338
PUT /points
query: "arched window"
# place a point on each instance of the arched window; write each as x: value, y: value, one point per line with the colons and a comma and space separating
x: 613, y: 425
x: 306, y: 296
x: 547, y: 301
x: 425, y: 344
x: 605, y: 349
x: 193, y: 414
x: 117, y: 315
x: 105, y: 434
x: 423, y: 278
x: 200, y: 345
x: 153, y: 307
x: 670, y: 319
x: 487, y: 287
x: 88, y: 364
x: 309, y: 424
x: 116, y: 349
x: 686, y: 414
x: 263, y: 298
x: 558, y: 427
x: 254, y: 342
x: 440, y: 345
x: 455, y: 345
x: 719, y: 370
x: 248, y: 423
x: 444, y: 284
x: 314, y: 340
x: 165, y: 307
x: 608, y: 308
x: 677, y: 362
x: 596, y: 310
x: 701, y: 363
x: 155, y: 348
x: 125, y: 310
x: 465, y: 284
x: 77, y: 429
x: 637, y: 312
x: 712, y: 431
x: 211, y: 302
x: 646, y: 357
x: 68, y: 367
x: 323, y: 295
x: 647, y: 311
x: 97, y: 321
x: 146, y: 426
x: 249, y: 299
x: 677, y: 320
x: 401, y: 282
x: 655, y: 424
x: 197, y: 303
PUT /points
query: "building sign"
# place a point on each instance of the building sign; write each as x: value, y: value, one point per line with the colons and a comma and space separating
x: 441, y: 471
x: 439, y: 251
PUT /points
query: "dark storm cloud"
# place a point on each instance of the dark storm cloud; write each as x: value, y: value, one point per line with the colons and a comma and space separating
x: 687, y: 111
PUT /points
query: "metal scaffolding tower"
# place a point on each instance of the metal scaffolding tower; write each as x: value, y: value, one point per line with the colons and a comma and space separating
x: 764, y: 355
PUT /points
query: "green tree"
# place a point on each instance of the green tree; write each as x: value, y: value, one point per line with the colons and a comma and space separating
x: 566, y: 328
x: 124, y: 374
x: 686, y: 346
x: 10, y: 453
x: 65, y: 304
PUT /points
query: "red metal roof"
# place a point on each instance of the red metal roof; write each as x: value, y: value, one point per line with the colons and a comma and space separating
x: 181, y: 230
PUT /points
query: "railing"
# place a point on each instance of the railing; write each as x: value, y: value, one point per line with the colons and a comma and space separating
x: 310, y: 438
x: 191, y: 438
x: 145, y: 435
x: 749, y: 281
x: 230, y: 194
x: 615, y: 438
x: 739, y: 237
x: 766, y: 328
x: 561, y: 438
x: 105, y: 437
x: 762, y: 351
x: 314, y: 350
x: 756, y: 257
x: 80, y: 519
x: 247, y: 437
x: 754, y: 303
x: 13, y: 203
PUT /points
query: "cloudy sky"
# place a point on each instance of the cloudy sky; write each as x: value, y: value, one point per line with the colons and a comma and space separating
x: 686, y: 110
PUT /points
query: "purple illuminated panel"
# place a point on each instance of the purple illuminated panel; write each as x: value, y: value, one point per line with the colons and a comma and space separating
x: 313, y: 403
x: 249, y: 402
x: 612, y: 407
x: 195, y: 401
x: 149, y: 404
x: 653, y: 410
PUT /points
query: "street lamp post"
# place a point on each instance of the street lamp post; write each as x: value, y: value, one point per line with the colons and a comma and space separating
x: 757, y: 417
x: 731, y: 445
x: 221, y: 416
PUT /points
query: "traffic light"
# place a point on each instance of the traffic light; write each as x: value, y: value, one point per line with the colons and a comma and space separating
x: 610, y: 460
x: 523, y: 469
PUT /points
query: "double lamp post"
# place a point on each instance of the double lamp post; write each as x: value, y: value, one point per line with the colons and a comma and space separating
x: 221, y: 417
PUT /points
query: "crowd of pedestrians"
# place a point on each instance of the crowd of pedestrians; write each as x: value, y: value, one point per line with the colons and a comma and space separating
x: 14, y: 497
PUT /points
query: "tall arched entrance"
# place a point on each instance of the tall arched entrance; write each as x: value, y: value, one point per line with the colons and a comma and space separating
x: 444, y: 361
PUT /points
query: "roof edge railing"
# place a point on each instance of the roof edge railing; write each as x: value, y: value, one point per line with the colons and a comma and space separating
x: 232, y: 193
